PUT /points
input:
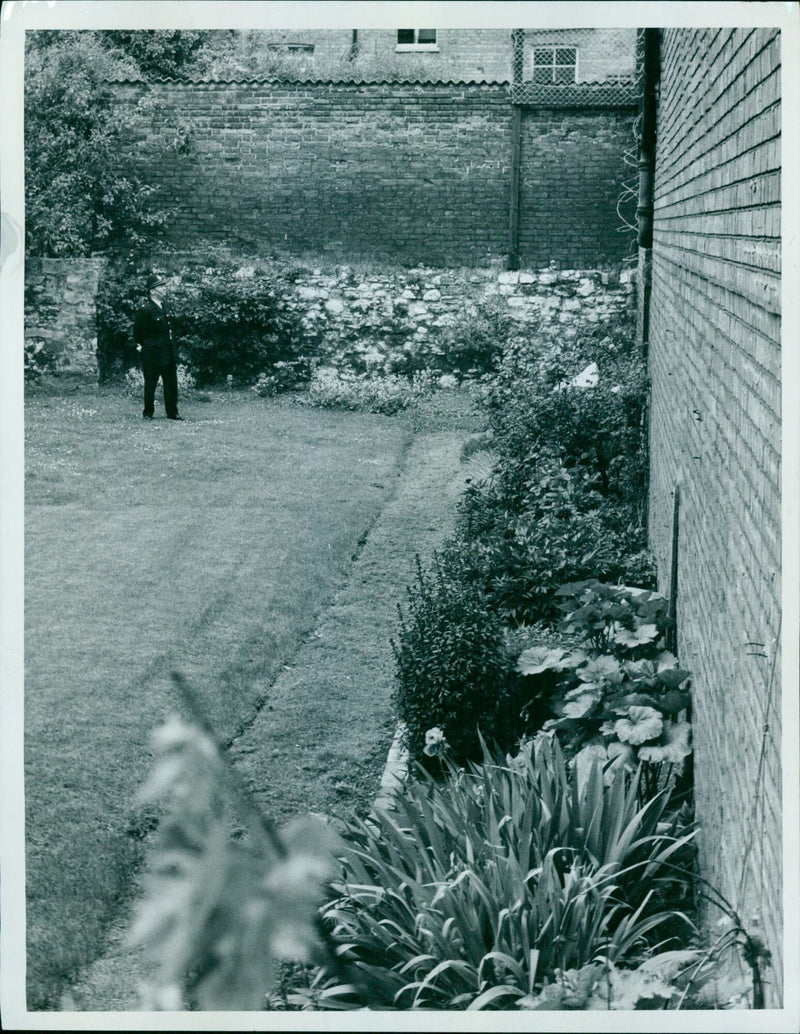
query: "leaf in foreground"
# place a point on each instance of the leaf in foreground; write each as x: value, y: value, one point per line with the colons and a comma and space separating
x: 217, y: 913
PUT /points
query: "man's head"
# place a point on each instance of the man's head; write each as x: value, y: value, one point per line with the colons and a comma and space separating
x: 155, y: 285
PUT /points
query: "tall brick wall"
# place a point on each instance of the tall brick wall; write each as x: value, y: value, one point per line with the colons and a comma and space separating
x: 573, y: 173
x: 397, y: 172
x: 715, y: 430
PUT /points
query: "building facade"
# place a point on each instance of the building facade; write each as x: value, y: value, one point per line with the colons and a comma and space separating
x: 713, y: 333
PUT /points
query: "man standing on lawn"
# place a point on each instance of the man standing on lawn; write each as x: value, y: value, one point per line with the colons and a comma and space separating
x: 153, y: 336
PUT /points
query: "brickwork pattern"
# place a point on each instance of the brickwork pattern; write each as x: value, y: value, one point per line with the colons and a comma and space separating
x: 464, y: 55
x: 573, y: 173
x: 384, y: 171
x: 715, y: 430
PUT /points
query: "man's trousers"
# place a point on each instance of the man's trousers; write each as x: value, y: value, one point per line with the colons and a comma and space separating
x: 169, y: 378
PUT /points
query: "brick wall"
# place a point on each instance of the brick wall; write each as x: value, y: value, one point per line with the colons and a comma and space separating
x: 715, y: 430
x: 573, y: 173
x: 602, y: 53
x: 384, y: 171
x: 467, y: 55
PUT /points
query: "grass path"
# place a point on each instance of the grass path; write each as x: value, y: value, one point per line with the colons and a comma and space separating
x: 212, y: 547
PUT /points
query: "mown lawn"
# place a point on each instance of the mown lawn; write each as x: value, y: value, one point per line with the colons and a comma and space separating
x: 208, y: 546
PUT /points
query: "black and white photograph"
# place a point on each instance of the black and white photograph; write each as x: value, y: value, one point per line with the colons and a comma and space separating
x: 399, y: 516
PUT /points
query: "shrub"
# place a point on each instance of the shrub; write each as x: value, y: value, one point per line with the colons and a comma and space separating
x: 474, y: 345
x: 81, y: 191
x: 229, y: 324
x: 452, y: 668
x: 38, y: 361
x: 475, y: 893
x: 122, y: 288
x: 534, y: 403
x: 531, y: 527
x: 225, y: 324
x: 373, y: 393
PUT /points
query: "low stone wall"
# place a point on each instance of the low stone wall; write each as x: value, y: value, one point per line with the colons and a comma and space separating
x: 380, y: 317
x: 351, y: 318
x: 60, y: 311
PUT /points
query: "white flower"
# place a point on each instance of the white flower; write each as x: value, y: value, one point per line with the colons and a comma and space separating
x: 435, y: 742
x: 642, y: 724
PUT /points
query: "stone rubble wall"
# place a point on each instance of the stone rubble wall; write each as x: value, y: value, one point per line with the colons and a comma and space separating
x: 60, y: 311
x: 353, y: 319
x: 379, y: 318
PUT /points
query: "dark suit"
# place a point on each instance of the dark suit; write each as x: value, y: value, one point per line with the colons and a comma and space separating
x: 152, y: 331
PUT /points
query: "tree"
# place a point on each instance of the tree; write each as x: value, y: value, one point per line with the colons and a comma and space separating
x: 81, y: 193
x: 168, y: 53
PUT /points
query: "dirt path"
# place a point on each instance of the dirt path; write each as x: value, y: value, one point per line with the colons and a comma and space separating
x: 321, y: 740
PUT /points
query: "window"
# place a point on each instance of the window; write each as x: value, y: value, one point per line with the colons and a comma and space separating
x: 554, y: 66
x: 291, y: 48
x: 416, y: 39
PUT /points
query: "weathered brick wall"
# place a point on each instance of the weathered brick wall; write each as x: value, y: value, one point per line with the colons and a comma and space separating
x: 573, y: 173
x: 392, y: 172
x: 715, y: 360
x: 462, y: 54
x: 60, y: 310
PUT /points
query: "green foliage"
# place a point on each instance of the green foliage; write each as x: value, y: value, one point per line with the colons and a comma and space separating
x: 122, y: 288
x: 474, y: 345
x: 476, y: 892
x: 452, y: 668
x: 81, y: 196
x: 566, y: 497
x: 534, y: 402
x: 38, y: 361
x: 218, y: 913
x: 166, y: 53
x: 224, y: 324
x: 619, y: 694
x: 237, y: 325
x: 523, y: 536
x: 369, y: 392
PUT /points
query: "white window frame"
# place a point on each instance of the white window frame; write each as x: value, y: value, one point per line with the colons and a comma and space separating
x: 291, y: 48
x: 418, y: 48
x: 553, y: 47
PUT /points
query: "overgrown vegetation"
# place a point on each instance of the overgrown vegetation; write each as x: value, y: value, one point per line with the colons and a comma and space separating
x: 80, y: 194
x: 518, y: 883
x: 477, y: 892
x: 552, y: 869
x: 226, y: 325
x: 563, y: 503
x: 454, y: 670
x: 371, y: 393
